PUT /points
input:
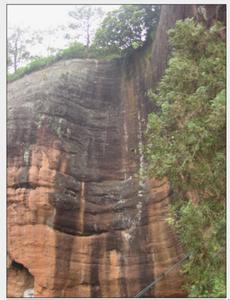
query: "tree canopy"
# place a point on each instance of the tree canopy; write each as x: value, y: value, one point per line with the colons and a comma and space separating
x: 122, y: 31
x: 127, y: 27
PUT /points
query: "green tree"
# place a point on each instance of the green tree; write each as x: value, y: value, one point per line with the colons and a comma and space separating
x: 127, y: 27
x: 19, y: 42
x: 85, y: 18
x: 186, y: 143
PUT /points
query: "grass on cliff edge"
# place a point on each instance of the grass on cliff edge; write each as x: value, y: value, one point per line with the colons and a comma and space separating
x: 76, y: 50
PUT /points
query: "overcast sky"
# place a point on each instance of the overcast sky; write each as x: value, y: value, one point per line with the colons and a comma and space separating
x: 42, y: 16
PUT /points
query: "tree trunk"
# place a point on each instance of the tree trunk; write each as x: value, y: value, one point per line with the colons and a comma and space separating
x: 88, y: 37
x: 15, y: 62
x: 16, y: 56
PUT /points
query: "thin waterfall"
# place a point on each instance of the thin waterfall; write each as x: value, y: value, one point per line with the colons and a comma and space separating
x: 126, y: 137
x: 141, y: 153
x: 82, y: 206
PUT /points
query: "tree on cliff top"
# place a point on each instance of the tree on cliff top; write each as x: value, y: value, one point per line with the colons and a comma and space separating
x: 19, y: 41
x: 186, y: 143
x: 83, y: 24
x: 17, y: 51
x: 127, y: 27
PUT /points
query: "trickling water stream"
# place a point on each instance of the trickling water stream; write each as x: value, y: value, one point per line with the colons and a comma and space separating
x: 140, y: 146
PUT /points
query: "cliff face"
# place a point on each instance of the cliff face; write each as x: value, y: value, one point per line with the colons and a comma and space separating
x: 81, y: 222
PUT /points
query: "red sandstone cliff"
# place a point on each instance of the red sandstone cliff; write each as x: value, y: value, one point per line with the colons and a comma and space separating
x: 81, y: 223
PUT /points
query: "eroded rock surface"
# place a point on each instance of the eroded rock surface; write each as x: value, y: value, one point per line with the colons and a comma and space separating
x: 81, y: 221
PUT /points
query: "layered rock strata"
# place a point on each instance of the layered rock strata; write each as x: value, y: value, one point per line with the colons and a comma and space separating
x: 81, y: 220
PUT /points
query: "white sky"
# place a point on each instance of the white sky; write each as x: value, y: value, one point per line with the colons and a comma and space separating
x: 42, y: 16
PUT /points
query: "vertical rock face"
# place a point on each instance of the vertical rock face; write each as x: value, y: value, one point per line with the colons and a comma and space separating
x: 81, y: 221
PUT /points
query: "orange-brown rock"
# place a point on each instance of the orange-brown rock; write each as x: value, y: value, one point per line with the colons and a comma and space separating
x: 81, y: 221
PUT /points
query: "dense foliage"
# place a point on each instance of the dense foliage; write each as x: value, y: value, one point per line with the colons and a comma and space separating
x: 186, y: 143
x: 127, y: 27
